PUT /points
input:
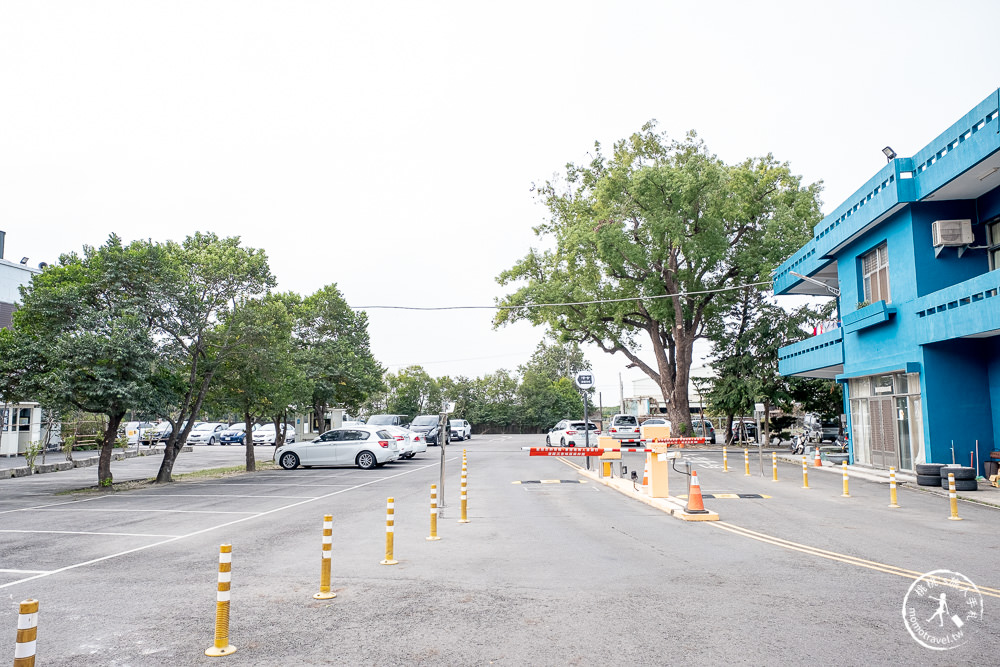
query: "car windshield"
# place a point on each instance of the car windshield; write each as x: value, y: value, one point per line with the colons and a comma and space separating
x: 425, y: 420
x: 237, y: 427
x: 653, y: 422
x: 456, y: 422
x: 625, y: 420
x: 590, y: 427
x: 381, y: 420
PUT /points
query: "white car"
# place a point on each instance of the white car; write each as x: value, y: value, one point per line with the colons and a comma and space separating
x: 569, y: 433
x: 654, y: 421
x: 265, y: 435
x: 135, y: 430
x: 624, y: 427
x: 410, y: 443
x: 460, y: 429
x: 207, y: 433
x: 365, y: 447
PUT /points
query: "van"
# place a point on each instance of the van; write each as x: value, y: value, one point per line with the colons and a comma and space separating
x: 402, y: 421
x: 624, y: 427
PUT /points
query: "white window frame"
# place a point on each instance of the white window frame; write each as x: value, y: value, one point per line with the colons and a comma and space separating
x: 875, y: 274
x: 993, y: 243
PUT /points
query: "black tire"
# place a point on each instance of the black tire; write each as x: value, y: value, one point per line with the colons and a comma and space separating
x: 960, y: 472
x: 562, y: 442
x: 366, y: 460
x: 548, y: 443
x: 211, y: 441
x: 929, y: 480
x: 289, y: 461
x: 961, y: 484
x: 929, y: 469
x: 469, y: 437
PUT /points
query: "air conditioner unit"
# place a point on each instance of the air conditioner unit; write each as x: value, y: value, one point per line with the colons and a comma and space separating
x: 952, y: 232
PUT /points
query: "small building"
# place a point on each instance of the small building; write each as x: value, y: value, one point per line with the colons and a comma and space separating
x: 913, y: 257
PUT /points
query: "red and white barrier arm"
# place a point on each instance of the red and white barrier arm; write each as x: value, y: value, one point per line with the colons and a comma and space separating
x: 597, y: 451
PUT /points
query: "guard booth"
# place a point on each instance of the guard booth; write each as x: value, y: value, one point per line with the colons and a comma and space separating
x: 22, y: 425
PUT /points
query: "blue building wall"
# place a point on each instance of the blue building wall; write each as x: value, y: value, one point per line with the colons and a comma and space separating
x: 943, y: 318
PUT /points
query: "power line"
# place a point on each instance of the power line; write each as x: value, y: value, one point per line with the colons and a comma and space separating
x: 570, y: 303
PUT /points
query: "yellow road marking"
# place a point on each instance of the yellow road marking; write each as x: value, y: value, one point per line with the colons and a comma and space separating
x: 823, y: 553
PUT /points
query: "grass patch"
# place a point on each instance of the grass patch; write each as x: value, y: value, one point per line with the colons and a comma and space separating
x: 197, y: 475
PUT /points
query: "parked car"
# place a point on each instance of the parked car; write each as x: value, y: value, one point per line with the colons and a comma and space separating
x: 135, y: 430
x: 624, y: 427
x: 431, y: 437
x: 652, y: 421
x: 830, y: 429
x: 424, y: 423
x: 162, y: 433
x: 410, y: 443
x: 744, y: 430
x: 703, y: 428
x: 388, y: 420
x: 207, y: 433
x: 234, y: 435
x: 265, y: 435
x: 365, y: 447
x: 568, y: 433
x: 460, y: 429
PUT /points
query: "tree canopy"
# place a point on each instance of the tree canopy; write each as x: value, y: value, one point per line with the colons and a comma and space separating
x: 645, y: 245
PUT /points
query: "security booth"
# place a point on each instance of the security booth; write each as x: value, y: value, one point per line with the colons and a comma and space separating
x: 22, y: 425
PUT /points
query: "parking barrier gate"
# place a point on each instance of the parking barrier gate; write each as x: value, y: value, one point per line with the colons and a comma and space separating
x: 222, y: 646
x: 27, y: 633
x: 324, y: 575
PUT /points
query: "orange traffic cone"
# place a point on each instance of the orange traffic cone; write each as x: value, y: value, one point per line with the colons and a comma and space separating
x: 695, y: 503
x: 817, y: 460
x: 645, y: 476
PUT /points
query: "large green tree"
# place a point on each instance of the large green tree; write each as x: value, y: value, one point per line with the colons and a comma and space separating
x: 644, y: 244
x: 334, y: 351
x: 83, y: 336
x: 209, y: 279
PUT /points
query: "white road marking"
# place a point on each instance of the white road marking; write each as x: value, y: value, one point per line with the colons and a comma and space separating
x: 201, y: 495
x: 81, y: 532
x: 25, y: 571
x: 217, y: 527
x: 68, y: 502
x: 111, y: 509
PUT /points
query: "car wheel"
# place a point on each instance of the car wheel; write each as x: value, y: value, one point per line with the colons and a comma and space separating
x: 548, y: 443
x: 562, y: 442
x: 211, y: 441
x: 366, y: 460
x: 289, y: 461
x: 469, y: 437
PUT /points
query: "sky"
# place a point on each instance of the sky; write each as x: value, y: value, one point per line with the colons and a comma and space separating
x: 391, y: 147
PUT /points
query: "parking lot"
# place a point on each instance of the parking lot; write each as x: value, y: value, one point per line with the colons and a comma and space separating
x: 130, y: 578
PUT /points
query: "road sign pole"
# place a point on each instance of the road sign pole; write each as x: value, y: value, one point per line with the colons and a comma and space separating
x: 443, y: 432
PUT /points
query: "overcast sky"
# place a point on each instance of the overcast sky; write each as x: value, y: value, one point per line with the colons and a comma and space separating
x: 390, y: 147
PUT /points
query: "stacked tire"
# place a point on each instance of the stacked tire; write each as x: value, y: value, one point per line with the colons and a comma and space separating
x: 965, y: 477
x: 929, y: 474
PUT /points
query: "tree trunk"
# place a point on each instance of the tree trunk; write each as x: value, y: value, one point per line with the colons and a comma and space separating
x: 729, y: 428
x: 248, y: 441
x: 104, y: 476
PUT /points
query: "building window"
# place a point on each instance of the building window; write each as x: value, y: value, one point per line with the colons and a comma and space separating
x: 875, y: 272
x: 993, y: 240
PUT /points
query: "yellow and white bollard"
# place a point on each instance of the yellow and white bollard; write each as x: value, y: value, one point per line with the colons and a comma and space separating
x: 805, y: 472
x: 27, y: 633
x: 892, y: 488
x: 953, y: 498
x: 774, y: 466
x: 324, y: 573
x: 434, y: 513
x: 222, y: 646
x: 746, y: 462
x: 390, y: 521
x: 725, y: 461
x: 847, y: 492
x: 465, y: 493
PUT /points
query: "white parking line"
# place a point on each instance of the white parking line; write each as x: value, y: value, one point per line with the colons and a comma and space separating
x: 202, y: 495
x: 81, y: 532
x: 25, y: 571
x: 111, y: 509
x: 68, y: 502
x: 206, y: 530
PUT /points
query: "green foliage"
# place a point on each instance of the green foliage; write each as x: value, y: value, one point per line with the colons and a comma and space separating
x: 655, y: 231
x: 31, y: 453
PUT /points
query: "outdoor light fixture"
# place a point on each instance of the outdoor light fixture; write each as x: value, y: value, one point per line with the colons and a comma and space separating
x: 889, y: 153
x: 832, y: 290
x: 24, y: 260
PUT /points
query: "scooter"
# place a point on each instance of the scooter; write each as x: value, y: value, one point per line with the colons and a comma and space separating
x: 798, y: 445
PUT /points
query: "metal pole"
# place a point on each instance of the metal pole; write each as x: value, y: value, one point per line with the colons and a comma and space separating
x: 443, y: 432
x: 586, y: 425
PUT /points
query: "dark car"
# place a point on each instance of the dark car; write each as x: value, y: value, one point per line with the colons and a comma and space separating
x: 431, y: 437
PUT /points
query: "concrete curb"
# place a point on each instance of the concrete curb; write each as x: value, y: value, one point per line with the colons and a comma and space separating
x: 671, y: 505
x: 42, y: 468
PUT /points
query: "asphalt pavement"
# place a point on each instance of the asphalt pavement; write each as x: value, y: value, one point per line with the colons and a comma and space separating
x: 552, y: 569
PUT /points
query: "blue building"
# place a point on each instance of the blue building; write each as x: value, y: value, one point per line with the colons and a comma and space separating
x: 914, y: 254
